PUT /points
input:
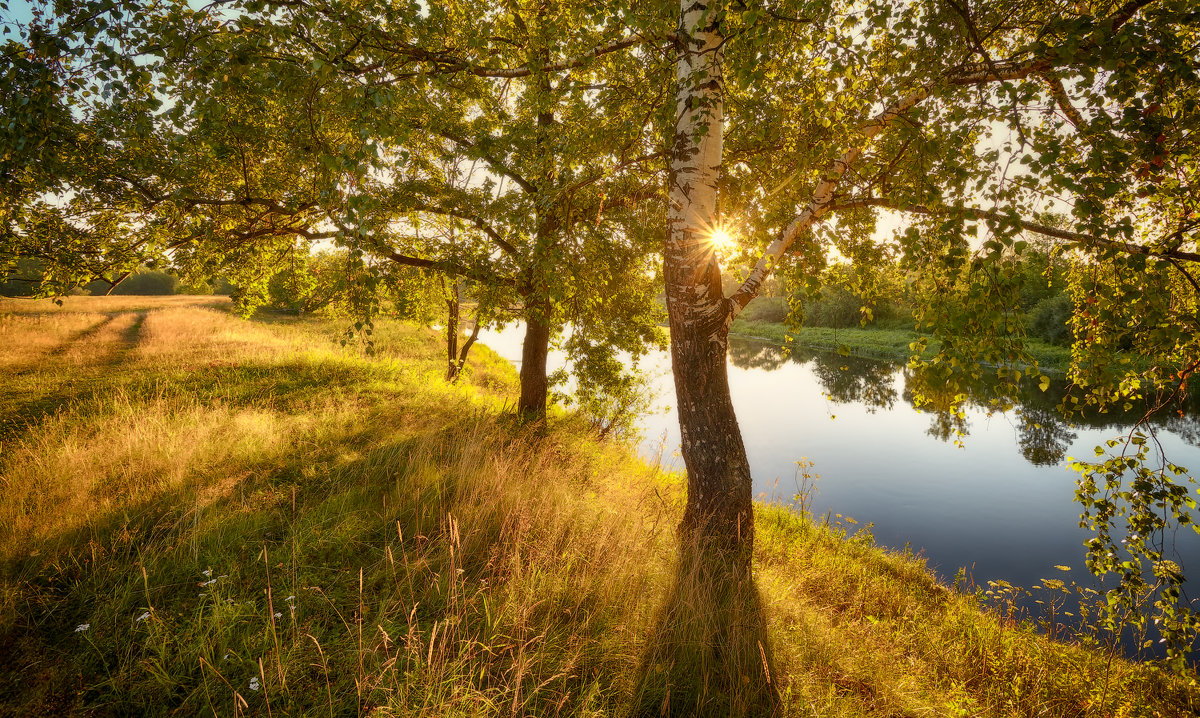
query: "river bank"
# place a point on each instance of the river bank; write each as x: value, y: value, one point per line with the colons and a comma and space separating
x: 877, y: 343
x: 203, y: 515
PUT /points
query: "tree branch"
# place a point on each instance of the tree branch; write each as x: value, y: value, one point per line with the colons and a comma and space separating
x: 474, y: 219
x: 1090, y: 240
x: 449, y: 269
x: 494, y: 163
x: 961, y: 76
x: 448, y: 64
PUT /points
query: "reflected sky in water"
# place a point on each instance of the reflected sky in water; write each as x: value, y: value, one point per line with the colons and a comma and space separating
x: 998, y: 501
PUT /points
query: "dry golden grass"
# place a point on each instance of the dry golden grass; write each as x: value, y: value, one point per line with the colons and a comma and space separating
x: 25, y: 340
x: 188, y: 334
x: 251, y: 520
x: 494, y: 587
x: 119, y: 303
x: 88, y: 462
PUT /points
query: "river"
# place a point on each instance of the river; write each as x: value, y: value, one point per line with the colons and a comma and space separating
x: 989, y: 493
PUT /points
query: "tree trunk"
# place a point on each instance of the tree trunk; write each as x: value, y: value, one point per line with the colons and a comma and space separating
x: 452, y: 304
x: 710, y: 651
x: 719, y: 507
x: 534, y: 384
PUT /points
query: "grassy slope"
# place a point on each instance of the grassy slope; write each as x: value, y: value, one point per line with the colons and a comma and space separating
x: 249, y: 520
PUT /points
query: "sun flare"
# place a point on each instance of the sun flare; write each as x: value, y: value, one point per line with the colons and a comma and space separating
x: 722, y: 239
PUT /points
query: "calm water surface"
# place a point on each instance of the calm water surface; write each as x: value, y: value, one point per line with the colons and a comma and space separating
x: 997, y: 501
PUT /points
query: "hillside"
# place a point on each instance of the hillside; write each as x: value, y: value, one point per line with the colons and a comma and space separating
x: 201, y: 515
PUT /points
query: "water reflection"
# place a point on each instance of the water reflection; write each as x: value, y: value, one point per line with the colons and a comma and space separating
x: 1044, y: 432
x: 1042, y: 436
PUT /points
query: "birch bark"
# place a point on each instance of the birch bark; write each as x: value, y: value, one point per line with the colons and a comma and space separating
x: 718, y: 512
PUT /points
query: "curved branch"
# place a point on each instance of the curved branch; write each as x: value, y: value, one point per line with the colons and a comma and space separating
x: 474, y: 219
x: 494, y: 163
x: 448, y: 269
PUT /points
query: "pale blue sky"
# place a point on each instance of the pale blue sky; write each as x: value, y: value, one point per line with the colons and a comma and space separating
x: 18, y: 13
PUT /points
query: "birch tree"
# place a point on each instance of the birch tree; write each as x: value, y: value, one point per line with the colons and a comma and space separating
x: 965, y: 117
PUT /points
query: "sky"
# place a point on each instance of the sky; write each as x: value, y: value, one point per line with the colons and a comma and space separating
x: 19, y: 12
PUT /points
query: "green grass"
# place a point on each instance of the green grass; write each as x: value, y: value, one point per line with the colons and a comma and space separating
x: 249, y: 519
x: 877, y: 343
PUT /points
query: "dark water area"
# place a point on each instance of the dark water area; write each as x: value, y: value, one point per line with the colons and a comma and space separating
x: 987, y: 492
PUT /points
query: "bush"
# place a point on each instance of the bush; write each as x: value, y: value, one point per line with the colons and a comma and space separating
x: 766, y: 309
x: 23, y: 279
x: 834, y: 307
x: 145, y: 282
x: 1048, y: 320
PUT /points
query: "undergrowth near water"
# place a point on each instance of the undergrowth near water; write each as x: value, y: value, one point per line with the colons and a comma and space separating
x: 877, y: 343
x: 205, y: 516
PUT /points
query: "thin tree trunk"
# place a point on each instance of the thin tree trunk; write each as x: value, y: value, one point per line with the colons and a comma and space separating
x: 466, y: 347
x: 719, y: 503
x: 452, y: 304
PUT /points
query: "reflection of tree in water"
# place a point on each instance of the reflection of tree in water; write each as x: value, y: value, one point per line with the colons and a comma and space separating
x: 1182, y: 417
x: 1043, y: 436
x: 845, y: 379
x: 754, y: 354
x: 853, y: 379
x: 945, y: 399
x: 1044, y: 432
x: 1187, y: 427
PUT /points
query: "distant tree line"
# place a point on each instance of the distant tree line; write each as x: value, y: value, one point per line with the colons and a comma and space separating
x: 883, y: 296
x: 26, y: 278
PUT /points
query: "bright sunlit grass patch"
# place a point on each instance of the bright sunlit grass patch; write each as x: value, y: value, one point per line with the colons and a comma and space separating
x: 116, y: 303
x: 26, y: 339
x: 188, y: 334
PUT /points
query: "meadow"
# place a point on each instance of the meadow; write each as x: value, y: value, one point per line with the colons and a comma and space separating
x: 202, y: 515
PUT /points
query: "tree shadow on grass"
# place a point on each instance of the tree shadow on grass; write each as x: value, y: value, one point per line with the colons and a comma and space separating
x: 708, y: 653
x: 372, y: 502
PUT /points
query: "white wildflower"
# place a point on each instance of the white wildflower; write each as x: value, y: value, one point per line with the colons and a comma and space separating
x: 207, y: 572
x: 143, y: 617
x: 278, y: 615
x: 82, y: 627
x: 254, y: 684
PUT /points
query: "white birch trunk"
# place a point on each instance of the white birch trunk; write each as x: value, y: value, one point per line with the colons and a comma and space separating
x: 718, y: 512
